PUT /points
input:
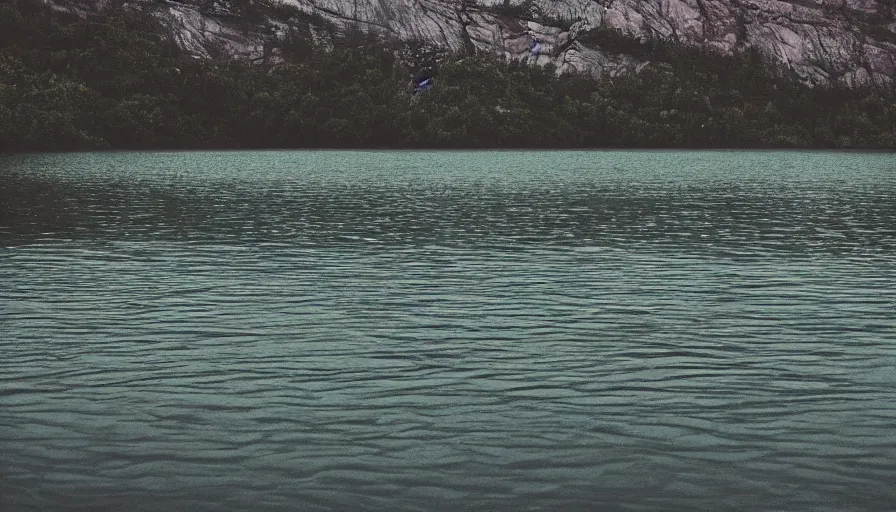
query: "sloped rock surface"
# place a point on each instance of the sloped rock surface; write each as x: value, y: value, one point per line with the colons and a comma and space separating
x: 820, y: 41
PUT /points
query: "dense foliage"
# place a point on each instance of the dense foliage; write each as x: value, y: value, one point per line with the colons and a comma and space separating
x: 113, y: 80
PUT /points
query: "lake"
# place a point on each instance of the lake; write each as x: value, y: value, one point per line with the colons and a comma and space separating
x: 448, y: 331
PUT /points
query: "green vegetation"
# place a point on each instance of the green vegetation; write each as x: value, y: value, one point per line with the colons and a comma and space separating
x: 113, y: 80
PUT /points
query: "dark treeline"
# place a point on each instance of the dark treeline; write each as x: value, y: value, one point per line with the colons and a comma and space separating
x: 115, y: 80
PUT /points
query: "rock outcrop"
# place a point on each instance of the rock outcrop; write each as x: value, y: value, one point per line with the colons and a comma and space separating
x: 820, y: 41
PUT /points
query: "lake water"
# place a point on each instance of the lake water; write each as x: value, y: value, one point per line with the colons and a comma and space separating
x: 448, y: 331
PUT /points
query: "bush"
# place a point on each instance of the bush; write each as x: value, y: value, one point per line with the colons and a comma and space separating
x: 112, y: 80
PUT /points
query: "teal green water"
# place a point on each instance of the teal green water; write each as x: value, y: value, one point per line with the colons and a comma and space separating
x: 448, y: 331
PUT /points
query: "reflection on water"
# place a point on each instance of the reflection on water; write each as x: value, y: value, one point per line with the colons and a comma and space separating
x: 448, y: 331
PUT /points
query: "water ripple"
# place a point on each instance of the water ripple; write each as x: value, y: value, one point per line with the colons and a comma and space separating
x: 445, y: 331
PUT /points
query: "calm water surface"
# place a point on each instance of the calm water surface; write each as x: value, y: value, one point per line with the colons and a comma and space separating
x: 434, y: 331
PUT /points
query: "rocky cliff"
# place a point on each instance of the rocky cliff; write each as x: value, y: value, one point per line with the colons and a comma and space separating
x: 820, y: 41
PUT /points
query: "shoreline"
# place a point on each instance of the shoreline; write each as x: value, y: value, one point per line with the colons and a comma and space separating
x: 455, y: 150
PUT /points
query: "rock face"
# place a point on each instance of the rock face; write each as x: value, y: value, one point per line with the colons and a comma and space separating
x: 852, y: 42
